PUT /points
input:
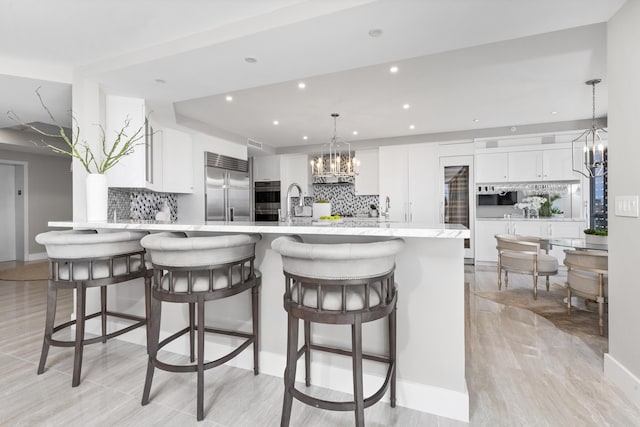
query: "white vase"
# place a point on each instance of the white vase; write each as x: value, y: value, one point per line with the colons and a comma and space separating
x: 97, y: 197
x: 321, y: 209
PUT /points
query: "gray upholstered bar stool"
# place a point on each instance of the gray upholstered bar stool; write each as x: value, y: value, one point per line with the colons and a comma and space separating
x: 194, y: 270
x: 344, y: 284
x: 85, y: 259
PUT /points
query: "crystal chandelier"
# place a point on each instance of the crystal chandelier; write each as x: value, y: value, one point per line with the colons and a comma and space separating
x: 335, y: 159
x: 590, y: 144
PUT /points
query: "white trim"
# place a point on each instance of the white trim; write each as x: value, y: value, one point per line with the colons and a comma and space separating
x: 37, y: 256
x: 619, y: 375
x: 420, y: 397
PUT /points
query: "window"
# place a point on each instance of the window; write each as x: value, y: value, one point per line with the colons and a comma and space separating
x: 599, y: 197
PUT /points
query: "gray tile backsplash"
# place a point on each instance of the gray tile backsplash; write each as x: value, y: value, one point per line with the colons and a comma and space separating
x: 139, y: 204
x: 343, y: 199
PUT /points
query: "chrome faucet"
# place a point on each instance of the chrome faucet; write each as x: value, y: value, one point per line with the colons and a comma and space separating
x: 387, y: 207
x: 290, y: 213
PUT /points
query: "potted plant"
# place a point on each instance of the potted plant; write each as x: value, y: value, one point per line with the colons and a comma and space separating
x: 599, y: 237
x: 96, y: 164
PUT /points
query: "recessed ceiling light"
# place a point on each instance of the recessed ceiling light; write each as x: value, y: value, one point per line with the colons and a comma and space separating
x: 161, y: 81
x: 355, y: 132
x: 305, y: 137
x: 229, y: 98
x: 554, y: 112
x: 276, y: 123
x: 412, y: 127
x: 302, y: 85
x: 393, y: 69
x: 375, y: 32
x: 406, y: 106
x: 250, y: 60
x: 476, y: 120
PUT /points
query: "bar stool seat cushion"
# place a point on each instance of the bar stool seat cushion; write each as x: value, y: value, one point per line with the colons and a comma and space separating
x: 341, y: 261
x: 524, y: 262
x: 201, y: 280
x: 79, y: 244
x: 173, y: 249
x: 332, y: 298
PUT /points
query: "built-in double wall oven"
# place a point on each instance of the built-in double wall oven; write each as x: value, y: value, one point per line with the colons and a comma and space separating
x: 267, y: 200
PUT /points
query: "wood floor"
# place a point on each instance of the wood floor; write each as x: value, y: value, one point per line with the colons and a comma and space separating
x: 521, y: 371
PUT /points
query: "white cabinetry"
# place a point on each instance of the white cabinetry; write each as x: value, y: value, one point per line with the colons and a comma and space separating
x: 177, y: 161
x: 367, y: 179
x: 492, y: 167
x: 487, y: 229
x: 525, y: 166
x: 294, y: 168
x: 266, y: 168
x: 142, y: 168
x: 409, y: 177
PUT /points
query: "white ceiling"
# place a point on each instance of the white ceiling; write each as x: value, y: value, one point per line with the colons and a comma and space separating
x: 504, y: 62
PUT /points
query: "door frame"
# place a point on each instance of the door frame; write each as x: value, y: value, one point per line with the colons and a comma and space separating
x: 461, y: 160
x: 22, y: 210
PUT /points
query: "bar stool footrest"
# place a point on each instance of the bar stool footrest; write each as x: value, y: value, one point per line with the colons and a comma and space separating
x: 140, y: 321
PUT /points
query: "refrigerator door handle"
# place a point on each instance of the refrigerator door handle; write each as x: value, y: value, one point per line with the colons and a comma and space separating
x: 231, y: 214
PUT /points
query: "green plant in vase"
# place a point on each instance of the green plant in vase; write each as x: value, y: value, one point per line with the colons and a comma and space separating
x: 547, y: 209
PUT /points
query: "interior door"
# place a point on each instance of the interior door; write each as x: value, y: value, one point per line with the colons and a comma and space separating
x: 7, y: 212
x: 457, y: 202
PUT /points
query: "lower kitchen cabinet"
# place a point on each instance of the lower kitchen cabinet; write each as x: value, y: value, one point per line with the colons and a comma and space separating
x: 487, y: 229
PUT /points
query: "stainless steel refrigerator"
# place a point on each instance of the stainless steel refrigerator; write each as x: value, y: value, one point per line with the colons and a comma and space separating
x: 228, y: 189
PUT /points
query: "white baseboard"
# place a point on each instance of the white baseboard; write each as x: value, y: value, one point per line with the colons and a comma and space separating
x: 37, y: 256
x: 619, y: 375
x: 421, y: 397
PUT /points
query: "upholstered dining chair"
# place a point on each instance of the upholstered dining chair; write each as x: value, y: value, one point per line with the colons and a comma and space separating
x: 587, y: 273
x: 524, y: 255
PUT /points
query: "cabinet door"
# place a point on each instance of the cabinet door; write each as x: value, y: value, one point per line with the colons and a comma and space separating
x: 367, y: 179
x: 266, y: 168
x: 557, y: 165
x: 525, y: 166
x: 423, y: 184
x: 294, y: 168
x: 485, y: 241
x: 177, y: 161
x: 131, y: 170
x: 394, y: 174
x: 491, y: 167
x: 528, y: 228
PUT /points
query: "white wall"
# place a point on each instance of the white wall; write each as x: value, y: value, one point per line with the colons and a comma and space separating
x: 622, y: 364
x: 48, y: 192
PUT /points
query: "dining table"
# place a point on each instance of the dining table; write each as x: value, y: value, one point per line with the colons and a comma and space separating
x: 578, y: 244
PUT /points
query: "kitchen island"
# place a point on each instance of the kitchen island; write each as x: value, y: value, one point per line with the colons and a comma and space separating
x: 430, y: 278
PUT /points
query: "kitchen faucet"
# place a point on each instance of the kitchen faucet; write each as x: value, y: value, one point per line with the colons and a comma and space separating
x: 290, y: 213
x: 386, y: 212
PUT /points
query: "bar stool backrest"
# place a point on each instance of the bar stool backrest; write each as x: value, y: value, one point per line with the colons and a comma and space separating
x: 81, y: 244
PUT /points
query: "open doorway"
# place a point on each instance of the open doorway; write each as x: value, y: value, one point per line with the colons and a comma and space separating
x: 13, y: 211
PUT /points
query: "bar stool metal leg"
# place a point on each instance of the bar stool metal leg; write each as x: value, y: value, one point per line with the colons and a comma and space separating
x: 392, y: 354
x: 290, y: 370
x: 255, y: 309
x: 192, y: 321
x: 358, y: 386
x: 154, y: 339
x: 81, y: 295
x: 103, y: 312
x: 307, y: 353
x: 52, y: 300
x: 200, y: 326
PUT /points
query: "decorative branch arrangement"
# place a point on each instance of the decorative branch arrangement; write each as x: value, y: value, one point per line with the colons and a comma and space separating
x: 123, y: 144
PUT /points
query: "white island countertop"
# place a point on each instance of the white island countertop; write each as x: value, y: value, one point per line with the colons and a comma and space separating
x: 348, y: 227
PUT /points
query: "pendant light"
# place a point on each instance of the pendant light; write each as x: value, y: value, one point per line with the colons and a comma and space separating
x: 590, y: 144
x: 335, y: 159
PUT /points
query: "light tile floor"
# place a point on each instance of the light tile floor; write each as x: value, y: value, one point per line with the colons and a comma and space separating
x: 521, y: 371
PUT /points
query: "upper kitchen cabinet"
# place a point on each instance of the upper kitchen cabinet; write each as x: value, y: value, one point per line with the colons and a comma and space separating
x: 142, y: 168
x: 492, y: 167
x: 177, y: 160
x: 409, y: 178
x: 266, y: 168
x: 295, y: 168
x: 367, y: 178
x: 556, y: 165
